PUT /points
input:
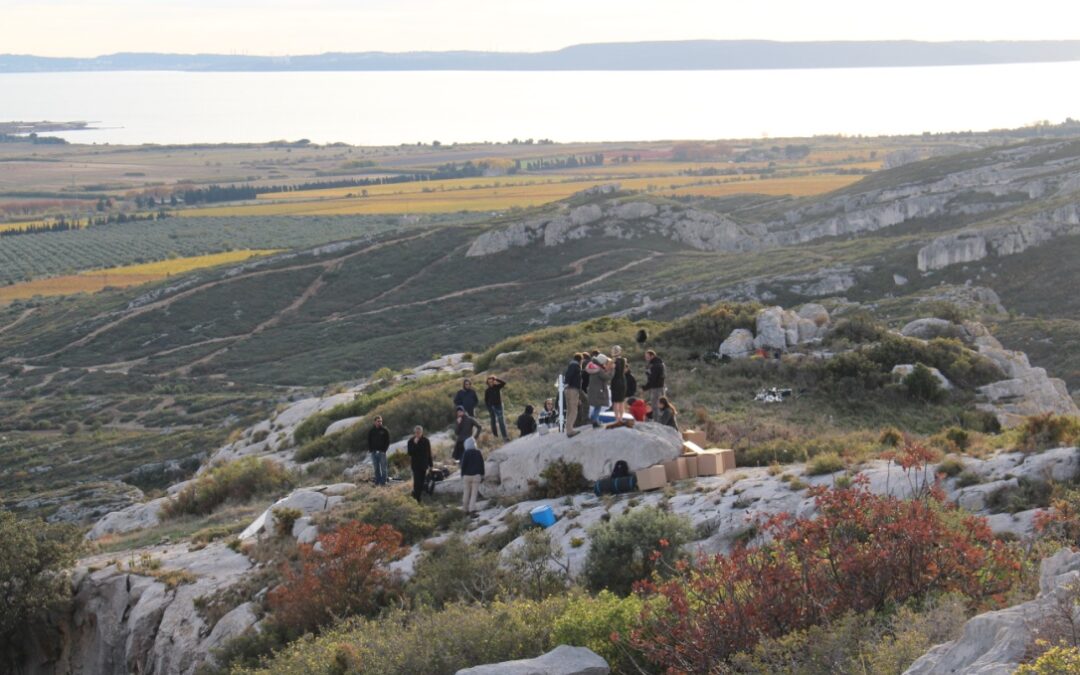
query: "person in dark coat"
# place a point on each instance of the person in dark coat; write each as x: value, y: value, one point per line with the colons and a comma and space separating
x: 466, y: 398
x: 667, y: 414
x: 618, y: 384
x: 419, y: 449
x: 572, y: 392
x: 378, y: 441
x: 465, y: 427
x: 493, y: 401
x: 631, y: 383
x: 526, y: 423
x: 472, y: 474
x: 655, y: 376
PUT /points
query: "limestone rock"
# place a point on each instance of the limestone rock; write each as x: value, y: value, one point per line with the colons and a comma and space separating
x: 996, y: 642
x: 342, y: 425
x: 597, y: 450
x: 563, y: 660
x: 904, y: 369
x: 952, y: 249
x: 769, y: 331
x: 930, y: 328
x: 134, y: 517
x: 635, y: 210
x: 235, y: 623
x: 306, y: 500
x: 738, y: 345
x: 583, y: 215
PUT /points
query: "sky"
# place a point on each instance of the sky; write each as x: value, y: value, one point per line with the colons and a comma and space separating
x: 280, y: 27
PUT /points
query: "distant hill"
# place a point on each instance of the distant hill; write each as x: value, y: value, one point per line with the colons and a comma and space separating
x: 673, y: 55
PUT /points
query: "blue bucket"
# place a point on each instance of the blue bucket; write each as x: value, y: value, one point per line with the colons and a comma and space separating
x: 543, y: 516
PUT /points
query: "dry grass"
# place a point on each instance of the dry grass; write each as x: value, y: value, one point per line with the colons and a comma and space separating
x: 800, y: 186
x: 22, y: 225
x: 118, y: 277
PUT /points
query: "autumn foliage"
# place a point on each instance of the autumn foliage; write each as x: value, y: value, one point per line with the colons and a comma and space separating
x: 348, y: 576
x: 862, y: 552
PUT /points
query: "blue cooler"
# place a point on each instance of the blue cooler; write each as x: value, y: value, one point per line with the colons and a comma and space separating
x: 543, y: 516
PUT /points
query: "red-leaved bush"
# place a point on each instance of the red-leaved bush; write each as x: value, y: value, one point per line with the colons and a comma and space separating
x: 348, y: 576
x: 862, y: 552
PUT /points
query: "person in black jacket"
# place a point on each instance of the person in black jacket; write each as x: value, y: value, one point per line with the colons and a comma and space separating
x: 494, y: 403
x: 378, y: 441
x: 472, y: 474
x: 466, y: 398
x: 526, y: 423
x: 654, y: 388
x: 420, y: 458
x: 631, y: 384
x: 571, y: 392
x: 465, y: 427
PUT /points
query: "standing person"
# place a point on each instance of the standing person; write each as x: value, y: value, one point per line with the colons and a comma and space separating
x: 526, y: 423
x: 631, y: 384
x: 465, y: 427
x: 466, y: 398
x: 571, y: 392
x: 472, y: 474
x: 549, y: 416
x: 419, y: 448
x: 493, y: 401
x: 599, y: 370
x: 583, y: 400
x: 654, y: 387
x: 618, y: 384
x: 667, y: 414
x: 378, y: 442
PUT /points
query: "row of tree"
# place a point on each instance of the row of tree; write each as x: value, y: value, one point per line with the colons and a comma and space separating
x: 569, y: 162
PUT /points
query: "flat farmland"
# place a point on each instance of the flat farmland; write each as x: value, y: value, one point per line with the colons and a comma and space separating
x: 120, y: 277
x: 796, y: 186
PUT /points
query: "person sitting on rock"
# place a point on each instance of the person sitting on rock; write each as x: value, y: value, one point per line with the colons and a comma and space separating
x: 667, y: 414
x: 420, y: 459
x: 526, y: 423
x: 493, y: 401
x: 465, y: 427
x: 466, y: 398
x: 472, y: 474
x: 549, y: 416
x: 638, y: 408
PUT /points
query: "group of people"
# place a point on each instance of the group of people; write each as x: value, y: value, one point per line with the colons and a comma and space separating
x: 592, y: 382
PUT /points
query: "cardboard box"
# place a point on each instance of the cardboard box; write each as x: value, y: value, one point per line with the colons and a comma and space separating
x: 676, y: 469
x: 727, y: 456
x: 691, y: 448
x: 715, y: 461
x: 691, y: 466
x: 695, y: 436
x: 651, y: 478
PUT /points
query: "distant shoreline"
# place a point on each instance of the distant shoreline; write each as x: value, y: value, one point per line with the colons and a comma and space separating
x: 687, y: 55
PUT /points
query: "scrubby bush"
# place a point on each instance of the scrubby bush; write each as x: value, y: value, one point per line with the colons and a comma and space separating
x: 959, y: 438
x: 1062, y: 521
x: 856, y: 368
x: 863, y: 552
x: 951, y: 466
x: 559, y: 478
x: 921, y: 385
x: 456, y: 571
x: 429, y: 641
x: 601, y: 623
x: 533, y: 566
x: 284, y: 519
x: 957, y: 363
x: 1060, y: 660
x: 346, y: 576
x: 891, y: 437
x: 707, y: 328
x: 1042, y: 432
x: 858, y: 328
x: 237, y: 481
x: 633, y: 546
x: 401, y: 512
x: 828, y: 462
x: 33, y: 583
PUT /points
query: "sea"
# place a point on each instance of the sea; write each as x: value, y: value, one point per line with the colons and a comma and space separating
x: 391, y: 108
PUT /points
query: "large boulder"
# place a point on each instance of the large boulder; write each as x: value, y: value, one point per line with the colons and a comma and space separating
x: 563, y: 660
x: 902, y: 370
x: 738, y: 345
x: 930, y: 328
x: 342, y: 425
x: 307, y: 501
x: 134, y: 517
x: 770, y: 331
x: 516, y: 463
x: 996, y: 642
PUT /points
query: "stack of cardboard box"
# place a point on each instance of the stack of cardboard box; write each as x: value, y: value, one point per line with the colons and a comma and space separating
x: 694, y: 462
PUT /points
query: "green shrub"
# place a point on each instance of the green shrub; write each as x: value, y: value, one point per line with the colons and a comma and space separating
x: 968, y: 478
x: 1059, y: 660
x: 558, y: 479
x: 858, y: 328
x: 957, y: 363
x: 922, y: 385
x: 1028, y: 494
x: 707, y: 328
x: 951, y: 466
x: 429, y: 641
x: 982, y: 421
x: 400, y: 511
x: 621, y: 550
x: 531, y: 566
x: 592, y: 621
x: 456, y: 571
x: 857, y: 368
x: 958, y: 437
x: 828, y: 462
x: 34, y: 557
x: 891, y: 437
x: 237, y: 481
x: 1042, y: 432
x: 323, y: 446
x: 284, y: 519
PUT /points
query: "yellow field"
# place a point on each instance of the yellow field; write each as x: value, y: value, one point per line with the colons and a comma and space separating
x: 799, y: 186
x: 414, y: 188
x: 118, y: 277
x: 20, y: 226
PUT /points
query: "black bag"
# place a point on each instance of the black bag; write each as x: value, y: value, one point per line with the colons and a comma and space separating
x: 615, y: 486
x: 433, y: 476
x: 621, y: 470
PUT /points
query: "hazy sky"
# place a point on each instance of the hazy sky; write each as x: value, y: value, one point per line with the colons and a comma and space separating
x: 90, y: 27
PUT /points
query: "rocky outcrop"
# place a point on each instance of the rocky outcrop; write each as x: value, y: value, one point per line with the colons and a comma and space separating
x: 902, y: 370
x: 738, y: 345
x: 777, y: 329
x: 563, y: 660
x: 930, y: 328
x: 511, y: 467
x: 1026, y: 391
x: 997, y: 642
x: 308, y: 501
x: 134, y: 517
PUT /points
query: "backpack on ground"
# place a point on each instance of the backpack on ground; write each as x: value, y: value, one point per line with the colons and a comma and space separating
x: 621, y: 469
x: 615, y: 486
x: 434, y: 476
